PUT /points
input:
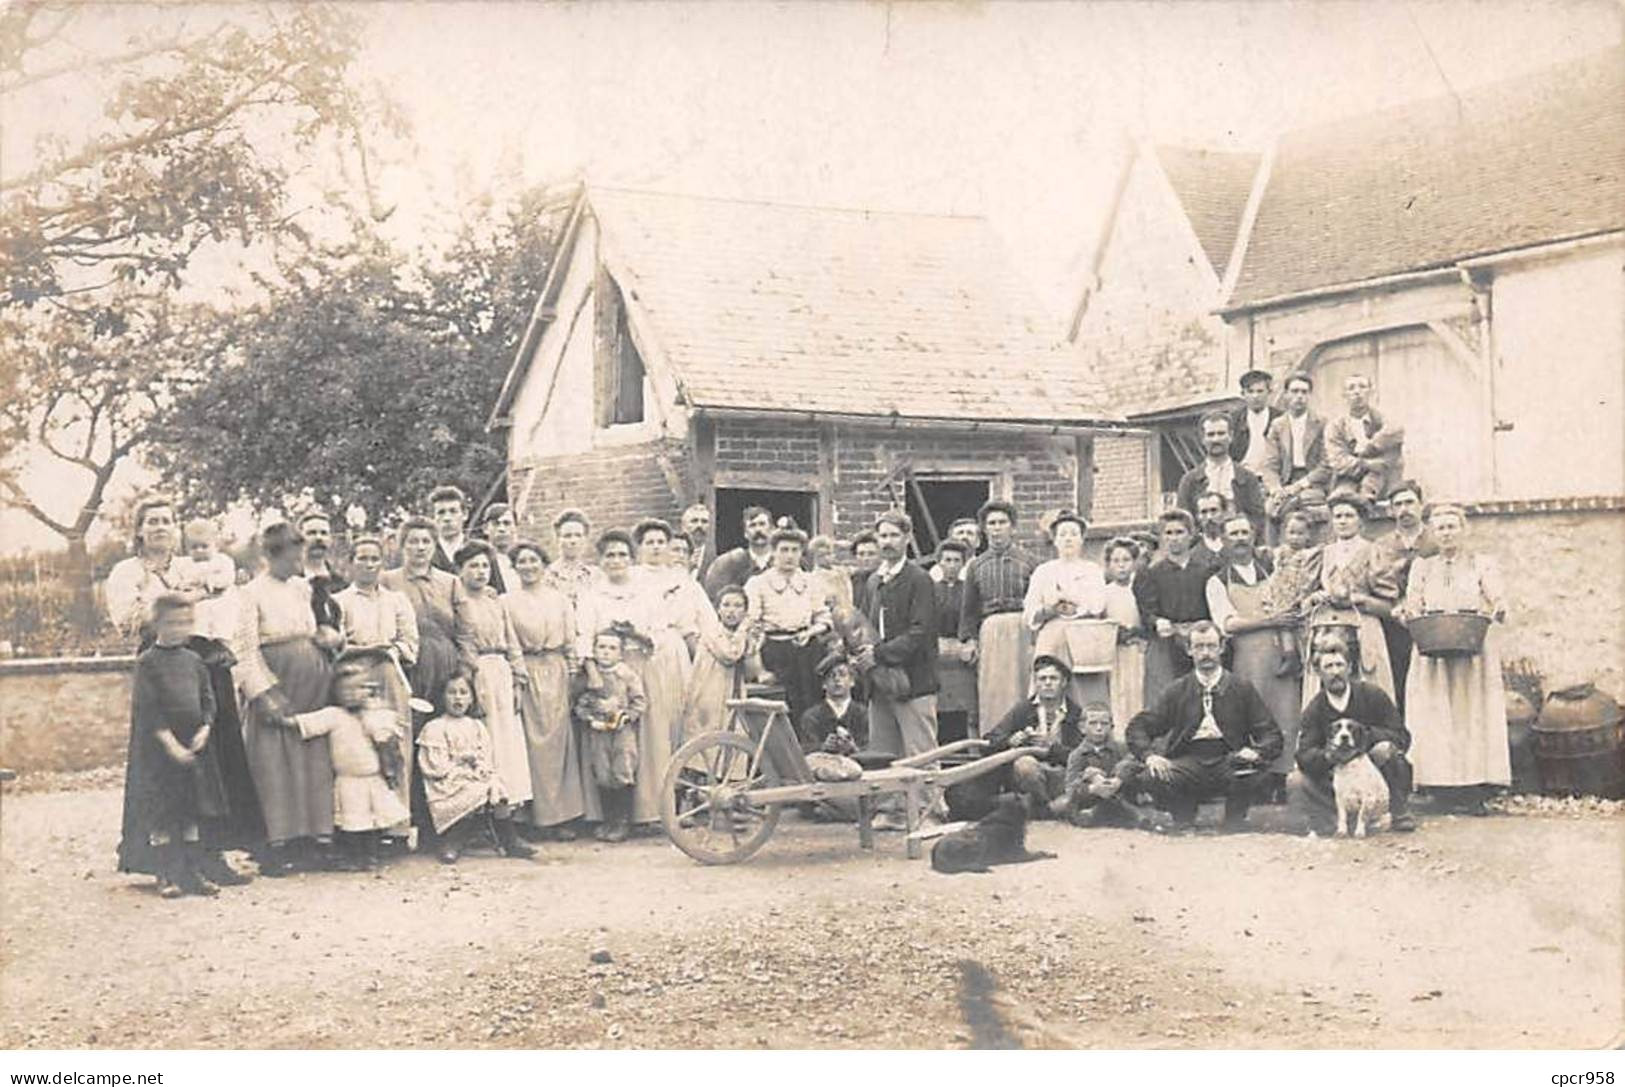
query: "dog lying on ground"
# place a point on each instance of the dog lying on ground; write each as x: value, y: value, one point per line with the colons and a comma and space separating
x: 998, y: 838
x: 1361, y: 792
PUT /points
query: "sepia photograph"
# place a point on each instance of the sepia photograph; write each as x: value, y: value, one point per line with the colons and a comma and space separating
x: 529, y: 527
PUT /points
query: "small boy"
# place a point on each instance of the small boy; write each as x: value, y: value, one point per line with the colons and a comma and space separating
x: 610, y: 706
x: 1296, y: 576
x: 208, y: 568
x: 832, y: 731
x: 364, y: 735
x: 172, y: 782
x: 1100, y: 777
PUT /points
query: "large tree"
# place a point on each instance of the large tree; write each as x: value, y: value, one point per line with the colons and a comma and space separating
x: 200, y: 113
x: 368, y: 377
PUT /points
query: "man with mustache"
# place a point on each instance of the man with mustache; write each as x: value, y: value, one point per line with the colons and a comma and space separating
x: 325, y: 580
x: 1219, y: 473
x: 696, y: 525
x: 743, y: 563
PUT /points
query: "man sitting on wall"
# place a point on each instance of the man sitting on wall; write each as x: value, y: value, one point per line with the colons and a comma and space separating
x: 1365, y: 452
x: 1216, y: 736
x: 1295, y: 472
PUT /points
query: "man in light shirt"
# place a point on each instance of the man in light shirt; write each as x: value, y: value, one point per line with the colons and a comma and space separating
x: 1218, y: 472
x: 1295, y: 473
x: 1364, y: 451
x: 1250, y: 425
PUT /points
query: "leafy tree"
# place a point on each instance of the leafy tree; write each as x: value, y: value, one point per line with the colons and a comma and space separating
x: 366, y: 379
x: 200, y: 113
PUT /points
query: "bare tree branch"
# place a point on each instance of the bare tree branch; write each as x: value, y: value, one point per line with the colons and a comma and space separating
x: 14, y: 497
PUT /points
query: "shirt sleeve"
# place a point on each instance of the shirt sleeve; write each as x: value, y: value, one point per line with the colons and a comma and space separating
x: 251, y: 671
x: 434, y: 754
x: 406, y: 628
x: 1219, y: 605
x: 320, y: 722
x: 1037, y: 592
x: 123, y: 594
x: 970, y: 607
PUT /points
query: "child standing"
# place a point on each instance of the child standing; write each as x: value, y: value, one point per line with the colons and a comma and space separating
x: 1296, y: 576
x: 459, y: 775
x: 364, y: 735
x: 718, y: 671
x: 609, y: 706
x: 1100, y: 777
x: 171, y: 781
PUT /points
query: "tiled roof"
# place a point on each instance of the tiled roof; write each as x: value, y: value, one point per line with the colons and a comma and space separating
x: 1535, y: 159
x: 1213, y: 187
x: 773, y: 306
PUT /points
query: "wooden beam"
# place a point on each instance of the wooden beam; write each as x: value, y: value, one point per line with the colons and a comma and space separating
x: 765, y: 479
x: 703, y: 435
x: 1084, y: 448
x: 826, y: 478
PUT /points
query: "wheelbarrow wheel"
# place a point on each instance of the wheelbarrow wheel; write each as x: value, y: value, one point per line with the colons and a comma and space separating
x: 705, y: 804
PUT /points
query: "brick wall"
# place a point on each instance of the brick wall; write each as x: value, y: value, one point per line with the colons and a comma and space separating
x: 1121, y: 486
x: 615, y: 486
x: 747, y: 445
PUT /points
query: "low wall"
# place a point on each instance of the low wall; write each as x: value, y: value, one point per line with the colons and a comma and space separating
x: 64, y: 714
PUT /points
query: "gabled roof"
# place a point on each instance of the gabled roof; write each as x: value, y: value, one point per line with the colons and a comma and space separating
x: 1159, y: 369
x: 763, y: 306
x: 1212, y: 187
x: 1525, y: 161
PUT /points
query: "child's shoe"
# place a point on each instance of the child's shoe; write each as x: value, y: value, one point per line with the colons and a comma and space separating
x: 189, y: 879
x: 508, y: 842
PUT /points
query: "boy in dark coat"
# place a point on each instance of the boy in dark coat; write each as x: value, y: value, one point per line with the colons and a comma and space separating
x: 1101, y: 777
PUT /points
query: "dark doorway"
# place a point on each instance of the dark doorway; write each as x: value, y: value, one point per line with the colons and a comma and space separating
x: 730, y: 509
x: 947, y: 500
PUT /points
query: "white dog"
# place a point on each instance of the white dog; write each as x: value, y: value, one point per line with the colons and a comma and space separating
x: 1362, y: 794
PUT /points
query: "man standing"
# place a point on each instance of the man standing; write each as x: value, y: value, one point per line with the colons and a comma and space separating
x: 696, y: 525
x: 325, y: 581
x: 1217, y: 735
x: 1309, y: 787
x: 740, y: 564
x: 968, y: 535
x: 1222, y: 475
x: 1211, y: 511
x: 903, y: 610
x: 1366, y: 454
x: 990, y: 616
x: 1391, y: 558
x: 1250, y: 425
x: 1295, y: 473
x: 448, y: 508
x: 501, y: 530
x: 865, y: 561
x: 956, y: 673
x: 1172, y: 594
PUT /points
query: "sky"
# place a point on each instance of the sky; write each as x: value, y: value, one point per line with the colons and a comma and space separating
x: 1021, y: 112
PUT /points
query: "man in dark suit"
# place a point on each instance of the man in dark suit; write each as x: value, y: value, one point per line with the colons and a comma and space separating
x: 902, y: 606
x: 448, y: 508
x: 696, y: 525
x: 743, y: 563
x: 1250, y: 423
x: 1295, y: 472
x: 1216, y: 734
x: 1309, y: 787
x: 1219, y: 472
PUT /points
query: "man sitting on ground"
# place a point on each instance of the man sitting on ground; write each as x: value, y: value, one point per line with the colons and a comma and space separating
x: 1309, y: 787
x: 1050, y: 720
x: 1217, y: 736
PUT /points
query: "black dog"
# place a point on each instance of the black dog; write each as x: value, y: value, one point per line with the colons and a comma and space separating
x: 1000, y: 838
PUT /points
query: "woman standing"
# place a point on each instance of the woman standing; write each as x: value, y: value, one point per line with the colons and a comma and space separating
x: 134, y: 584
x: 679, y: 607
x: 1064, y: 590
x: 1455, y: 707
x: 1128, y: 675
x: 544, y: 622
x: 282, y: 671
x: 490, y: 651
x: 1347, y: 599
x: 570, y: 573
x: 432, y: 593
x: 620, y: 599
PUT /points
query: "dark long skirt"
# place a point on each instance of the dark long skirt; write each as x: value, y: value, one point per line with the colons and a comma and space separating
x: 163, y: 797
x: 243, y: 827
x: 294, y: 776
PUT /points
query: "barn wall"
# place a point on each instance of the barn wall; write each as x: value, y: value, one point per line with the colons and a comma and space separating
x: 1124, y: 491
x: 1559, y: 335
x: 614, y: 486
x: 566, y: 425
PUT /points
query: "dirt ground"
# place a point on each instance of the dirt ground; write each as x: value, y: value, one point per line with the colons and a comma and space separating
x: 1492, y: 932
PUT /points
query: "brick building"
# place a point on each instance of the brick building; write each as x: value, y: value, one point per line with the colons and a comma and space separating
x: 826, y: 363
x: 1468, y: 254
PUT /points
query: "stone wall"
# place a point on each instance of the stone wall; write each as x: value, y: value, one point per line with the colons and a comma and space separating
x: 60, y: 715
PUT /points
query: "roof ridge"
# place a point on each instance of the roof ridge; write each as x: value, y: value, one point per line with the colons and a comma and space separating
x: 763, y: 202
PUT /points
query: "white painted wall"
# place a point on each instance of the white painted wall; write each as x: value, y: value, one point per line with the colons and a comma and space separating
x: 566, y: 425
x: 1559, y: 336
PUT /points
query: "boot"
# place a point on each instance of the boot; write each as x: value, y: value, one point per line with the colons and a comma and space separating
x: 452, y: 841
x: 188, y: 877
x: 169, y: 867
x: 508, y: 842
x: 275, y: 861
x: 617, y: 814
x: 217, y: 871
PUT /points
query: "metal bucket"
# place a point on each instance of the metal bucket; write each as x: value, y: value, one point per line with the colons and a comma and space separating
x: 1579, y: 746
x: 1449, y: 634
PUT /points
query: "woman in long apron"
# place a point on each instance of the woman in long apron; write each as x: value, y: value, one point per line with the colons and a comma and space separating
x: 433, y: 594
x: 1064, y: 590
x: 677, y: 605
x: 283, y: 671
x: 544, y: 622
x: 490, y: 651
x: 1455, y: 707
x: 1128, y: 676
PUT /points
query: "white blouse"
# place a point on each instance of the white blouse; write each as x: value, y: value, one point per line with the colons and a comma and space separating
x: 1077, y: 581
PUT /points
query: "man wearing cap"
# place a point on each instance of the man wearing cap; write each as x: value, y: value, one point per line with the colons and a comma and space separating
x: 1250, y: 425
x: 990, y: 622
x: 1216, y: 735
x: 902, y: 607
x: 1050, y: 720
x: 784, y: 606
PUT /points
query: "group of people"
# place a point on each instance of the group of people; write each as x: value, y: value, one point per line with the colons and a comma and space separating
x: 318, y: 711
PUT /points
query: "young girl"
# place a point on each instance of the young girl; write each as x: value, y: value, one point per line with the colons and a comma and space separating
x: 364, y: 734
x: 459, y: 775
x: 718, y: 671
x: 1122, y: 556
x: 1297, y: 574
x: 171, y: 782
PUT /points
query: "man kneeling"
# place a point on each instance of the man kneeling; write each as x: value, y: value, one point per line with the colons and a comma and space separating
x: 1216, y: 736
x: 1049, y: 720
x: 1309, y: 788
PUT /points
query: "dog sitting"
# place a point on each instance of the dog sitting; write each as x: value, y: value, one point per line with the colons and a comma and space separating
x: 998, y: 838
x: 1362, y: 794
